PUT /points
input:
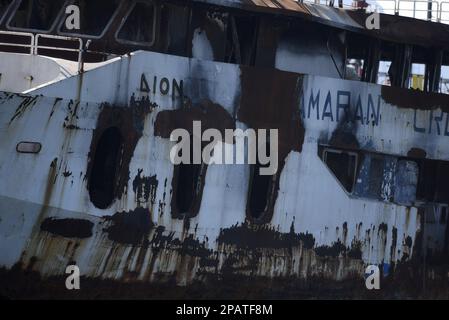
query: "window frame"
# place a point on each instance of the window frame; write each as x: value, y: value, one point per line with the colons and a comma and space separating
x: 92, y: 180
x: 270, y: 200
x: 90, y: 36
x: 197, y: 198
x: 356, y: 167
x: 125, y: 19
x: 34, y: 143
x: 7, y: 10
x: 54, y: 25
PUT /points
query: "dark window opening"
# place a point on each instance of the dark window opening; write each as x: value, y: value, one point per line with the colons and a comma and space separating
x: 260, y: 198
x: 401, y: 180
x: 189, y: 181
x: 139, y: 26
x: 443, y: 215
x: 343, y: 165
x: 4, y: 4
x: 400, y: 67
x: 189, y: 186
x: 94, y: 16
x: 174, y: 27
x: 36, y: 14
x: 432, y: 181
x: 372, y: 57
x: 356, y: 56
x: 241, y: 40
x: 103, y: 176
x: 260, y: 189
x: 433, y: 71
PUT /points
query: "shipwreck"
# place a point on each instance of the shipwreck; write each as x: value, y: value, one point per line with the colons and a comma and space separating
x: 85, y: 123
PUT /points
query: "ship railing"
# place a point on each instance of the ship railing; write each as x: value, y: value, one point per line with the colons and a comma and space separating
x: 23, y: 43
x: 437, y: 11
x: 444, y: 12
x: 79, y: 49
x: 34, y: 43
x: 425, y: 10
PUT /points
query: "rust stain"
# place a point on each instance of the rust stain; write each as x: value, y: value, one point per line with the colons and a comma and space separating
x: 210, y: 114
x: 415, y: 99
x: 270, y: 101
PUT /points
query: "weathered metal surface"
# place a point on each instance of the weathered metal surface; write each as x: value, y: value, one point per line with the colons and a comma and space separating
x: 181, y: 27
x: 314, y: 229
x: 319, y: 13
x: 393, y: 27
x: 20, y: 72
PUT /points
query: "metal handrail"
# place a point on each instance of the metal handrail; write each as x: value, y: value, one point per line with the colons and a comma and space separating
x: 16, y: 33
x: 441, y: 11
x: 34, y: 45
x: 396, y: 7
x: 415, y: 9
x: 48, y: 36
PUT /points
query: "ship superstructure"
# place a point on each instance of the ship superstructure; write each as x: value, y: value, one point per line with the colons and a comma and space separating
x: 86, y: 119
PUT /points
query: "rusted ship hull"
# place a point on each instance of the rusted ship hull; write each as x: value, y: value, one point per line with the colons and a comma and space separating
x: 312, y: 228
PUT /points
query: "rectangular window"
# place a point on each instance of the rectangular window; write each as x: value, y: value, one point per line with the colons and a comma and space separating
x: 261, y: 195
x: 188, y: 183
x: 241, y: 39
x: 432, y: 181
x: 177, y: 25
x: 36, y: 15
x: 4, y: 4
x: 443, y: 215
x: 343, y: 165
x: 139, y: 25
x: 95, y: 17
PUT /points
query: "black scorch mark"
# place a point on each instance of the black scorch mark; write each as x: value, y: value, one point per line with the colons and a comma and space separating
x: 145, y: 188
x: 69, y: 228
x: 131, y: 227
